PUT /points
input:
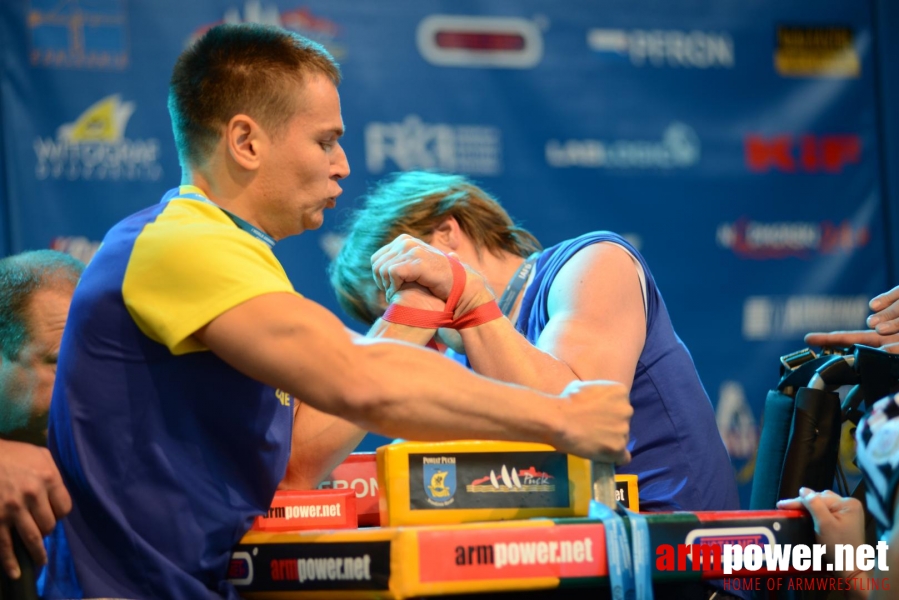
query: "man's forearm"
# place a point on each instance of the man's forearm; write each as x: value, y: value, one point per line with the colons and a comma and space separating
x: 320, y: 443
x: 406, y: 333
x: 497, y: 350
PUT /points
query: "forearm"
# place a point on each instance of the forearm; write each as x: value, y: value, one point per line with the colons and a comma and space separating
x: 497, y: 350
x: 320, y: 443
x: 406, y: 333
x: 424, y: 396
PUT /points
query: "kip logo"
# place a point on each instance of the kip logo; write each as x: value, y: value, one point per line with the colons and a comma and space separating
x: 300, y: 20
x: 439, y: 479
x: 94, y: 147
x: 828, y: 154
x: 514, y: 480
x: 240, y: 569
x: 414, y: 144
x: 79, y: 34
x: 480, y: 42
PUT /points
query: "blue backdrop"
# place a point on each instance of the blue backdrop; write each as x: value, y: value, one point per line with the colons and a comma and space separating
x: 747, y: 148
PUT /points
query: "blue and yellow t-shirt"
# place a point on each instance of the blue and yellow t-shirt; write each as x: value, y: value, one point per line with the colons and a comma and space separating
x: 167, y: 451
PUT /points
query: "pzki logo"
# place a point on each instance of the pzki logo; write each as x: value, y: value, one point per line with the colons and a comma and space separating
x: 94, y: 147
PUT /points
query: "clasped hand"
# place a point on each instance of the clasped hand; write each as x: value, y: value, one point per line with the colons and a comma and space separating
x: 413, y: 273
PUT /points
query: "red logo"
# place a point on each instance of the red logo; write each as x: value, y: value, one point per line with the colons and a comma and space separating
x: 807, y: 153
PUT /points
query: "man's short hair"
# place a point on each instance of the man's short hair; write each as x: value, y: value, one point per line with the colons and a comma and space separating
x: 21, y: 275
x: 240, y: 69
x: 415, y: 203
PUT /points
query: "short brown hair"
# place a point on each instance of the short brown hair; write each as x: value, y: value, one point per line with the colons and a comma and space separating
x: 235, y: 69
x: 415, y: 203
x: 21, y: 276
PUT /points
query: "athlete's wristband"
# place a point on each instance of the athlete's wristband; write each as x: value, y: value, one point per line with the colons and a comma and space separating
x: 434, y: 319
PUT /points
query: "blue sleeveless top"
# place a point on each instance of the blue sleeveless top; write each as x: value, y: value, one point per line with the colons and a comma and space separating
x: 677, y: 451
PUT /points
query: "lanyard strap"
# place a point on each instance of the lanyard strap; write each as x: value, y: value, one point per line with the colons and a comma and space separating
x: 194, y: 193
x: 641, y: 548
x: 630, y: 564
x: 507, y: 300
x: 618, y: 554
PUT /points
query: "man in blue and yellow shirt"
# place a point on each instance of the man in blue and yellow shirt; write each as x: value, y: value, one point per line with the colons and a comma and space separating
x: 173, y: 410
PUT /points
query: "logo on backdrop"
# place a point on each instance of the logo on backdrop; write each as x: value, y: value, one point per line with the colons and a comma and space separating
x: 78, y: 34
x: 300, y: 20
x: 816, y: 52
x: 479, y: 41
x: 826, y: 153
x: 669, y: 48
x: 93, y: 147
x: 789, y: 317
x: 678, y: 148
x: 759, y: 240
x: 414, y: 144
x: 78, y: 246
x: 736, y: 423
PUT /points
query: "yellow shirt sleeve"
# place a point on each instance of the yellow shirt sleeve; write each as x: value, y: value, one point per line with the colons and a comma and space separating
x: 191, y: 265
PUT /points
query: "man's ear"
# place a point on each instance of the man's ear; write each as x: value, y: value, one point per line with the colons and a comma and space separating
x: 246, y: 141
x: 448, y: 233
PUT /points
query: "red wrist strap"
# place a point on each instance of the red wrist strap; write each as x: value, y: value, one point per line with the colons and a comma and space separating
x: 434, y: 319
x: 478, y: 316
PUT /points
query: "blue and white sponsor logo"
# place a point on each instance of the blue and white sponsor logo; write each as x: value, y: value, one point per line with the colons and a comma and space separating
x: 414, y: 144
x: 439, y: 480
x: 664, y: 48
x: 678, y: 148
x: 788, y: 317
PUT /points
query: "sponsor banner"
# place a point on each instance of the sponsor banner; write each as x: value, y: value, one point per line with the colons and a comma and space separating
x: 293, y: 510
x: 479, y: 41
x: 489, y: 480
x: 359, y: 473
x: 816, y: 51
x: 414, y: 144
x: 531, y: 553
x: 786, y: 317
x: 94, y: 147
x: 79, y: 34
x: 802, y: 153
x: 678, y: 148
x: 658, y: 48
x: 302, y: 20
x: 773, y: 240
x: 309, y: 566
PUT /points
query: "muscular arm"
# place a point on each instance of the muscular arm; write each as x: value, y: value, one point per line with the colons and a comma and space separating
x: 321, y: 441
x: 398, y: 390
x: 596, y: 328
